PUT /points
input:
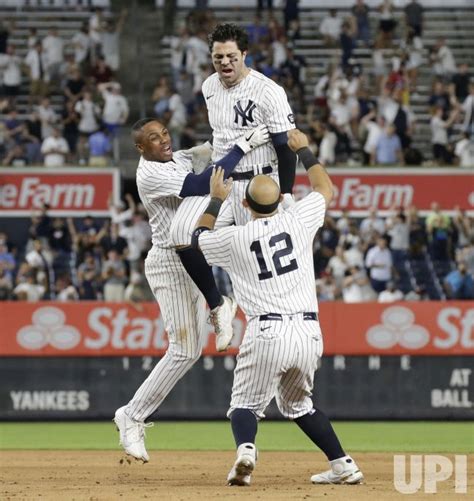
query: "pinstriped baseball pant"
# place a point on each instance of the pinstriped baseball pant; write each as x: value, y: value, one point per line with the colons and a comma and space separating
x: 183, y: 309
x: 278, y: 358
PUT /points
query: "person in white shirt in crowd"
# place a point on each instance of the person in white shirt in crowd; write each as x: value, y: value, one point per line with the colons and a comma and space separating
x: 398, y: 229
x: 279, y: 51
x: 418, y: 293
x: 379, y: 261
x: 390, y: 294
x: 55, y: 149
x: 29, y: 290
x: 468, y: 110
x: 39, y: 257
x: 32, y: 39
x: 344, y: 222
x: 89, y: 113
x: 442, y: 60
x: 178, y: 49
x: 343, y: 111
x: 464, y: 151
x: 374, y: 125
x: 65, y: 291
x: 353, y: 254
x: 331, y: 28
x: 337, y: 266
x: 49, y: 118
x: 439, y: 135
x: 115, y: 112
x: 53, y: 47
x: 327, y: 148
x: 114, y: 276
x: 370, y: 224
x: 413, y: 47
x: 36, y: 62
x: 356, y: 287
x: 120, y: 214
x: 197, y: 53
x: 81, y: 43
x: 110, y: 39
x: 326, y: 287
x: 10, y: 68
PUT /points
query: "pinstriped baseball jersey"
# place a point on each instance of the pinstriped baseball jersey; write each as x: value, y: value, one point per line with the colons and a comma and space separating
x: 159, y: 185
x: 270, y: 260
x: 233, y: 111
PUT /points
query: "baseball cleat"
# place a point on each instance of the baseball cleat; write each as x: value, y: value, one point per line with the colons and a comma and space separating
x: 343, y: 471
x: 221, y: 318
x: 241, y: 472
x: 132, y: 435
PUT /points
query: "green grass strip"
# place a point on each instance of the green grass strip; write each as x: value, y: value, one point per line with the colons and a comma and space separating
x: 426, y: 437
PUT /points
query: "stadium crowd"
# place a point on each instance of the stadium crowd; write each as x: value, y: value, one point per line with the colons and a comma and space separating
x: 82, y: 71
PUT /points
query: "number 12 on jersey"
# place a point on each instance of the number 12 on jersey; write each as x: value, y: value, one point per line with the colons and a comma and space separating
x: 277, y: 255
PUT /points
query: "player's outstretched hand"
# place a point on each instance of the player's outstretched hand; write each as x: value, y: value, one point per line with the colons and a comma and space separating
x: 254, y: 138
x: 297, y: 140
x: 220, y: 188
x: 201, y: 156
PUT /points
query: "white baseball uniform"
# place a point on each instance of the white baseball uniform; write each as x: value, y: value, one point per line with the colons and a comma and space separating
x: 270, y: 262
x: 232, y: 112
x: 183, y: 307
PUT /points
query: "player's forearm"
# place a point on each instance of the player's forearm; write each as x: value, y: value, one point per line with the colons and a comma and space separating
x: 318, y: 177
x: 207, y: 220
x: 286, y: 162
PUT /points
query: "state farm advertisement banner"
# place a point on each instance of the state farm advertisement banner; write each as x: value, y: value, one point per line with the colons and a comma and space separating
x: 69, y: 191
x: 96, y: 329
x: 357, y: 190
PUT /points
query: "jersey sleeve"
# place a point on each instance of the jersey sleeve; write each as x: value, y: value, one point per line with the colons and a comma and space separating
x: 159, y: 180
x: 311, y: 211
x: 217, y: 246
x: 278, y: 116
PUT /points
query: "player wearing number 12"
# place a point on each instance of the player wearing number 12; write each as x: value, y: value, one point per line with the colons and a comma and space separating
x: 270, y: 262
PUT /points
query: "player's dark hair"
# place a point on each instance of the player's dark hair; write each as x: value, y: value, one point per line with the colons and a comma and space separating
x: 229, y: 32
x: 138, y: 126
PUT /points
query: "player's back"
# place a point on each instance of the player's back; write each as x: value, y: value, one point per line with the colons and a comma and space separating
x: 270, y: 260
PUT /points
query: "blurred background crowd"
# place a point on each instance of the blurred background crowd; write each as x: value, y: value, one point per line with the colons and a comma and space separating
x: 74, y: 111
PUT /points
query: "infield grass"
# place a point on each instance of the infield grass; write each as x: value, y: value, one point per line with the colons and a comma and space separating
x: 423, y: 437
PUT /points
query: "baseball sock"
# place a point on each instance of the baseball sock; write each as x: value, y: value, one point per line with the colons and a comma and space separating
x: 318, y: 428
x: 196, y: 265
x: 244, y: 426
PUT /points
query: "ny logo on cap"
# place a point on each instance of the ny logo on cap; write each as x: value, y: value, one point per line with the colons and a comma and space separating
x: 245, y: 114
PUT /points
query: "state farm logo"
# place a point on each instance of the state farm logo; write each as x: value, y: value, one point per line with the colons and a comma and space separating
x: 48, y: 329
x: 397, y: 327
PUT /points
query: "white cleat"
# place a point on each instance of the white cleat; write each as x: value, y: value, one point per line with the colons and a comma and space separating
x: 241, y: 472
x: 132, y: 435
x: 343, y: 471
x: 221, y: 318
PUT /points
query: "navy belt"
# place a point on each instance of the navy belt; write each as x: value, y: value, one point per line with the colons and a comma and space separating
x: 246, y: 176
x: 307, y: 315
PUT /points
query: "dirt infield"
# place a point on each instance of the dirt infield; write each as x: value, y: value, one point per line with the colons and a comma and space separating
x: 185, y: 475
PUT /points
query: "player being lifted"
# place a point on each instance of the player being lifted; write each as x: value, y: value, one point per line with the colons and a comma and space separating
x: 239, y: 99
x: 169, y: 188
x: 270, y: 262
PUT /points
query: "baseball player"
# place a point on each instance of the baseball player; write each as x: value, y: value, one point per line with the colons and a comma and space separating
x: 238, y: 99
x: 270, y: 262
x: 168, y: 187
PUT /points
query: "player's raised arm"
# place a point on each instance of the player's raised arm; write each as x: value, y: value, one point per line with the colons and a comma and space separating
x: 318, y: 177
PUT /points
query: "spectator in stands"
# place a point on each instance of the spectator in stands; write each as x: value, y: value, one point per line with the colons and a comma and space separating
x: 197, y: 53
x: 461, y: 81
x: 29, y: 290
x: 327, y: 147
x: 390, y: 294
x: 39, y: 257
x: 36, y: 63
x: 53, y: 49
x: 100, y: 148
x: 175, y: 117
x: 379, y: 68
x: 414, y: 17
x: 343, y: 112
x: 75, y: 85
x: 256, y: 31
x: 16, y: 157
x: 464, y: 151
x: 347, y: 42
x: 89, y: 278
x: 55, y: 149
x: 356, y: 287
x: 115, y: 112
x: 388, y: 150
x: 135, y: 292
x: 30, y: 144
x: 440, y: 98
x: 442, y: 60
x: 32, y: 39
x: 110, y: 40
x: 463, y: 227
x: 291, y: 13
x: 5, y: 31
x: 160, y: 97
x: 370, y: 225
x: 360, y: 11
x: 295, y: 66
x: 13, y: 124
x: 7, y: 260
x: 10, y: 66
x: 398, y: 229
x: 89, y: 113
x: 59, y: 239
x: 413, y: 48
x: 417, y: 294
x: 65, y: 291
x: 48, y: 117
x: 113, y: 241
x: 379, y: 261
x: 33, y: 123
x: 114, y: 276
x: 6, y: 284
x: 387, y: 23
x: 81, y: 43
x: 438, y: 229
x: 418, y: 236
x: 100, y: 72
x: 439, y: 136
x: 331, y: 28
x: 374, y: 127
x: 96, y: 23
x: 468, y: 110
x: 121, y: 213
x: 337, y: 266
x: 459, y: 284
x: 178, y: 43
x: 70, y: 122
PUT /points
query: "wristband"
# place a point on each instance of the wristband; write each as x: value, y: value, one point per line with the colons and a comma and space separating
x: 307, y: 157
x: 195, y: 236
x: 214, y: 206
